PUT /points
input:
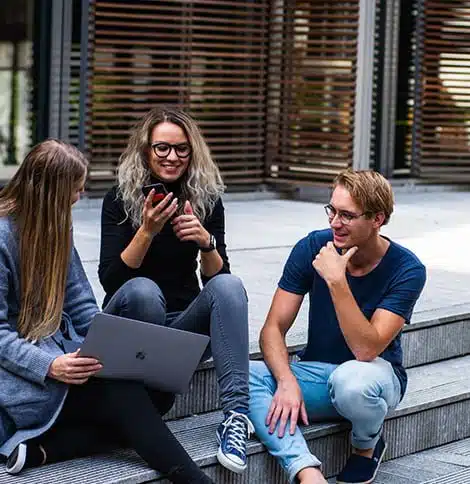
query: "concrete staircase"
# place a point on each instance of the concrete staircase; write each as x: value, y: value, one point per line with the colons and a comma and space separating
x: 435, y: 411
x: 447, y: 464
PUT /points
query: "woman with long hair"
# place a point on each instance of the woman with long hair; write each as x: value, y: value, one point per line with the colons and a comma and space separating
x: 160, y: 235
x: 50, y: 409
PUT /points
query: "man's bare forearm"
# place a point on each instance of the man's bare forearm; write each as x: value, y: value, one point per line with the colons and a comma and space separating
x: 275, y: 353
x: 359, y: 333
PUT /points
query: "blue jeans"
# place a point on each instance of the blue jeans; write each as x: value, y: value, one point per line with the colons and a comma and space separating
x: 361, y: 392
x: 219, y: 311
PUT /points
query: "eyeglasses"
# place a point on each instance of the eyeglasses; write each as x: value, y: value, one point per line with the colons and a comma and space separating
x: 344, y: 217
x: 162, y: 149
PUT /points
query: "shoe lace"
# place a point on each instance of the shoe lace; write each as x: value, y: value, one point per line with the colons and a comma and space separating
x: 237, y: 428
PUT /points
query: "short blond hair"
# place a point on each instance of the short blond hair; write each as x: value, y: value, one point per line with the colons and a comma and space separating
x: 369, y: 189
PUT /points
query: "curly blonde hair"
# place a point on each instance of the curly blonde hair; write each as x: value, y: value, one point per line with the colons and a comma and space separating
x: 201, y: 184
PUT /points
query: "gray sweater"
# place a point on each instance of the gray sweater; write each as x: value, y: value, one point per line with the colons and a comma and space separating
x: 30, y: 401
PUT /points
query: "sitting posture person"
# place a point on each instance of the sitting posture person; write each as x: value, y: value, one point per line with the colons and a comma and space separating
x: 50, y: 409
x: 158, y: 240
x: 362, y: 289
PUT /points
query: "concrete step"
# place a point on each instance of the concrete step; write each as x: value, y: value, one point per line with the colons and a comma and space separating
x: 446, y: 464
x: 435, y: 411
x: 462, y: 477
x: 432, y: 336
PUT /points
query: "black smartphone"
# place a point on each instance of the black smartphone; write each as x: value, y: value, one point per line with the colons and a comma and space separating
x: 160, y: 192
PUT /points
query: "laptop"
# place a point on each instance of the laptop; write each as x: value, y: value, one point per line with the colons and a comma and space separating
x: 163, y: 358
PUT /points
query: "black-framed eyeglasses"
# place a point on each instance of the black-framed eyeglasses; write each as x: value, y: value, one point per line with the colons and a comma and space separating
x: 162, y: 149
x: 344, y: 216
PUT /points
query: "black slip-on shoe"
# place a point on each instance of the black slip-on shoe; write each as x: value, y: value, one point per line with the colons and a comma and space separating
x: 360, y: 469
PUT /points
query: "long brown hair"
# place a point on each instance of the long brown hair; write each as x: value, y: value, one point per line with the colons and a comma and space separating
x: 39, y: 199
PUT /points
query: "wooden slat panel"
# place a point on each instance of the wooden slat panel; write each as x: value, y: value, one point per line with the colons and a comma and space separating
x: 311, y: 89
x: 270, y: 82
x: 443, y: 138
x: 209, y: 57
x: 74, y: 94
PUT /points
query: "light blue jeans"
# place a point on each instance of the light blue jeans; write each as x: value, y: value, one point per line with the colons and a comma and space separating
x: 361, y: 392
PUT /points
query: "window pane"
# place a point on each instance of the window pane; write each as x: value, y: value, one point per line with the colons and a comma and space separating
x: 16, y: 19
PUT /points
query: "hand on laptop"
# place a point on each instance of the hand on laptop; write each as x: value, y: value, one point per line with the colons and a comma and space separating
x: 73, y: 369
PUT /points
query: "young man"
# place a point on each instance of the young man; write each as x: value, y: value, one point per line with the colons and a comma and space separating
x: 362, y: 289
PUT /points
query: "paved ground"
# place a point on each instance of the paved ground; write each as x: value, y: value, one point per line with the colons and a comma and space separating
x: 260, y: 234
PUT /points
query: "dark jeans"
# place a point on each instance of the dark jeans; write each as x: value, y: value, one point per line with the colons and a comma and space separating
x: 102, y: 413
x: 219, y: 311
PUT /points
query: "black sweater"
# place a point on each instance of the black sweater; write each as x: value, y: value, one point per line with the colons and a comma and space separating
x: 172, y: 264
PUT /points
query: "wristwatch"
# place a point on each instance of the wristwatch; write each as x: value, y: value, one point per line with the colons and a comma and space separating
x: 211, y: 245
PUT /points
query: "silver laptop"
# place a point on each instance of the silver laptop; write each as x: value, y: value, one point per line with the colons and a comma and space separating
x: 161, y: 357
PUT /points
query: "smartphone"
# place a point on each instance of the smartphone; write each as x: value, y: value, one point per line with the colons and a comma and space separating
x: 160, y: 192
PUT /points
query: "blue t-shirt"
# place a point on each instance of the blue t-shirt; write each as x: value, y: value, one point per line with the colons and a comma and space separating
x: 395, y: 285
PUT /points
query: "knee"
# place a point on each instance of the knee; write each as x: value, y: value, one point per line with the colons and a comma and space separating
x: 165, y: 402
x: 144, y: 300
x: 227, y: 286
x: 142, y: 288
x: 349, y: 385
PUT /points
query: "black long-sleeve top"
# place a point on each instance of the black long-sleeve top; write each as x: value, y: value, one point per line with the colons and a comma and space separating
x: 172, y: 264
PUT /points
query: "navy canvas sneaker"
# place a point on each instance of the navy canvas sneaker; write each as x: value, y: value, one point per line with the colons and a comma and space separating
x: 232, y: 435
x: 360, y: 469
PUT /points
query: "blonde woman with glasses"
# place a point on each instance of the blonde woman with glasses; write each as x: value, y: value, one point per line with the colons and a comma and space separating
x: 164, y: 214
x: 50, y: 408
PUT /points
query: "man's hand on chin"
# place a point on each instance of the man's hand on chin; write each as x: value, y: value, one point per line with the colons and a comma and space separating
x: 330, y: 265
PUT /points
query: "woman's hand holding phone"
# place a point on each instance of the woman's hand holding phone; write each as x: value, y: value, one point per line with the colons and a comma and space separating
x: 155, y: 217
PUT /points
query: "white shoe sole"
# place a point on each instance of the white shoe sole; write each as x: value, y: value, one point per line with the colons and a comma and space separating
x: 20, y: 461
x: 230, y: 465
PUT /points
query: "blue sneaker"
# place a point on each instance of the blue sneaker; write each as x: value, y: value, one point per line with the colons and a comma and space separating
x: 232, y: 435
x: 360, y: 469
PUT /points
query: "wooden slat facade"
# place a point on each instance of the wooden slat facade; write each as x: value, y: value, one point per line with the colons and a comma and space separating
x: 208, y: 56
x: 442, y: 107
x: 271, y: 82
x: 74, y: 95
x: 311, y: 89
